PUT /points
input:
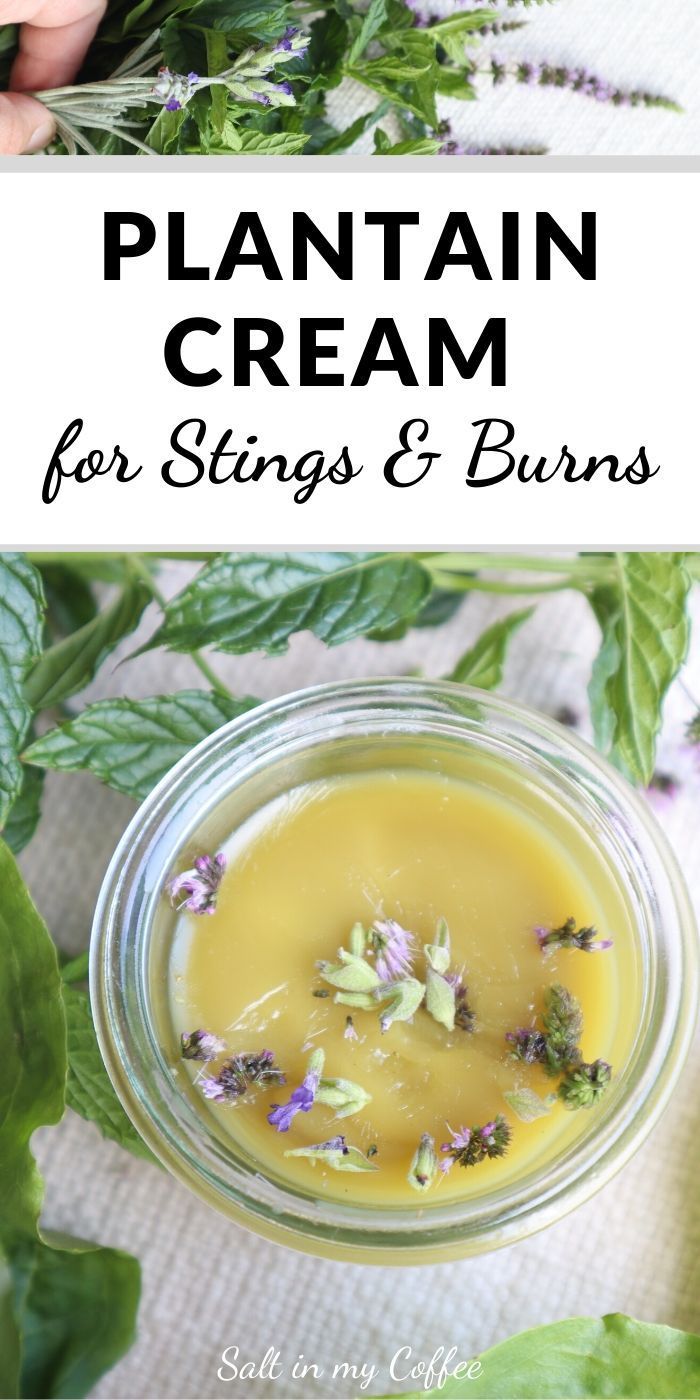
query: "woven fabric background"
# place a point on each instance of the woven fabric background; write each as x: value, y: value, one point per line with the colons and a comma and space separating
x: 637, y: 44
x: 207, y: 1284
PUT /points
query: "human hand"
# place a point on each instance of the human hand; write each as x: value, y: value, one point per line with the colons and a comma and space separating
x: 53, y: 40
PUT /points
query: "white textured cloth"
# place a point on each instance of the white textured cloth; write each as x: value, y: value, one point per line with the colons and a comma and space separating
x: 208, y: 1284
x: 650, y: 45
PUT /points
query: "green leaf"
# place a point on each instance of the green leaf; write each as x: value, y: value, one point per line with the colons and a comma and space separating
x: 25, y: 811
x: 453, y: 82
x: 76, y: 969
x: 21, y: 625
x: 372, y: 22
x: 646, y: 630
x: 274, y: 143
x: 612, y: 1356
x: 89, y: 1089
x: 263, y: 18
x: 69, y: 665
x: 70, y: 602
x: 440, y: 607
x: 423, y: 146
x: 243, y: 602
x: 33, y: 1061
x: 329, y: 38
x: 10, y: 1341
x: 461, y: 22
x: 352, y: 133
x: 527, y: 1105
x: 163, y: 134
x: 391, y: 68
x: 75, y: 1307
x: 131, y: 744
x: 339, y: 1159
x: 483, y: 664
x: 217, y: 61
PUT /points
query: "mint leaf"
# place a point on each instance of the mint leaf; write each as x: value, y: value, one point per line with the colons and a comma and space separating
x: 584, y: 1356
x: 26, y: 811
x: 33, y: 1061
x: 346, y: 138
x: 259, y: 143
x: 527, y: 1105
x: 372, y: 21
x: 75, y: 1310
x: 21, y: 623
x: 422, y: 146
x: 246, y: 602
x: 89, y: 1089
x: 483, y: 664
x: 67, y: 1309
x: 69, y: 665
x: 70, y: 601
x: 646, y: 630
x: 131, y: 744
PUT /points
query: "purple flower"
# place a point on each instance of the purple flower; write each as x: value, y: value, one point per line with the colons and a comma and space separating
x: 393, y: 946
x: 260, y: 97
x: 301, y: 1100
x: 201, y: 1045
x: 469, y: 1146
x: 460, y: 1139
x: 284, y: 87
x: 173, y: 105
x: 193, y: 78
x: 284, y: 44
x: 574, y: 79
x: 350, y: 1033
x: 530, y: 1046
x: 242, y: 1072
x: 212, y: 1088
x: 197, y: 889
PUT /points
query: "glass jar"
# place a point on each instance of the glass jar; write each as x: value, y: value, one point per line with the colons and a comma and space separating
x: 334, y: 730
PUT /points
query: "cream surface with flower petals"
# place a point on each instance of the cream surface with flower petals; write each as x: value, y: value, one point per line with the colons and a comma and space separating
x: 207, y: 1284
x: 634, y: 44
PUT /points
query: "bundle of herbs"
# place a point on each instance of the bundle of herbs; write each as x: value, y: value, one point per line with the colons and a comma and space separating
x: 252, y: 77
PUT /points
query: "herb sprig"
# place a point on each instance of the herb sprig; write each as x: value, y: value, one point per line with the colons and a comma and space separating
x: 221, y: 94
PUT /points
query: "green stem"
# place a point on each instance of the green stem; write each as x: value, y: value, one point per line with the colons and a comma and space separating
x: 137, y: 566
x: 455, y: 583
x: 590, y: 568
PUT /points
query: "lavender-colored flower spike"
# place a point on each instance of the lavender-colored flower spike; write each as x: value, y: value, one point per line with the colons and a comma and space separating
x: 393, y: 946
x: 454, y: 148
x: 568, y: 936
x: 575, y: 80
x: 301, y: 1099
x: 197, y: 890
x: 201, y: 1045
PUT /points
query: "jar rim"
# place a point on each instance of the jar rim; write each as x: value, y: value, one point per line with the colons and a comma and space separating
x: 119, y: 971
